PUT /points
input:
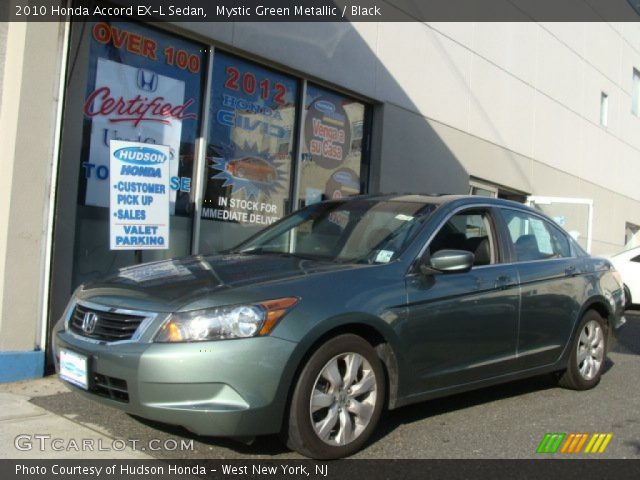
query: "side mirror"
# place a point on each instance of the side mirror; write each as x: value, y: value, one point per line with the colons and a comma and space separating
x: 448, y: 261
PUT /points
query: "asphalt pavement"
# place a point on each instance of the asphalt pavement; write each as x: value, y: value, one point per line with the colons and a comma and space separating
x: 506, y: 421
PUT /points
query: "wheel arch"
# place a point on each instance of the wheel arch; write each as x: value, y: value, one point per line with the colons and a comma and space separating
x: 600, y: 305
x: 365, y: 327
x: 597, y: 303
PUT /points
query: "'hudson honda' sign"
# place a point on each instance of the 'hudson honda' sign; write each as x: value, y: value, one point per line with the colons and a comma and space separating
x: 139, y: 196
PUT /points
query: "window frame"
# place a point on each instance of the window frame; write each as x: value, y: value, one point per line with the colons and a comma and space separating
x: 488, y: 187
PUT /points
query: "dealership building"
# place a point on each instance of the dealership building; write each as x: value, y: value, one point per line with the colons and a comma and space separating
x: 259, y: 119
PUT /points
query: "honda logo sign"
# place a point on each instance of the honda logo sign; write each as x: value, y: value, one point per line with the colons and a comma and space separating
x: 147, y: 80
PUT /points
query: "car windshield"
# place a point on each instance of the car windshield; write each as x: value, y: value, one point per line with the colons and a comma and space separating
x: 350, y: 231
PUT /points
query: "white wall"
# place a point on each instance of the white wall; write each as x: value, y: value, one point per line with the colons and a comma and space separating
x: 517, y: 104
x: 27, y: 129
x: 531, y: 88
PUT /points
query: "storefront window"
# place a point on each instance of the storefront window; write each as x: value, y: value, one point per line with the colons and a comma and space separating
x: 142, y: 85
x: 332, y: 158
x: 250, y: 150
x: 133, y: 82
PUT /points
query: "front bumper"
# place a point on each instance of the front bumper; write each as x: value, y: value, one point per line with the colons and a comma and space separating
x: 221, y: 388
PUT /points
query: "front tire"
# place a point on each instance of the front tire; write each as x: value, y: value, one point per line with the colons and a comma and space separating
x: 588, y: 354
x: 337, y: 400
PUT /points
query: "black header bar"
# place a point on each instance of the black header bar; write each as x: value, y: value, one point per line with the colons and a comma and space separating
x: 324, y: 10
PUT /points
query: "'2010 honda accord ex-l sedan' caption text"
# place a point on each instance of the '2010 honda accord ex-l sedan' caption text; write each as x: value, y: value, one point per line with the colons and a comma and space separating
x: 345, y: 308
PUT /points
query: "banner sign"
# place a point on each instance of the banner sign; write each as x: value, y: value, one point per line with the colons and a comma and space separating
x: 327, y: 132
x: 251, y: 137
x: 139, y: 195
x: 332, y: 146
x: 132, y: 104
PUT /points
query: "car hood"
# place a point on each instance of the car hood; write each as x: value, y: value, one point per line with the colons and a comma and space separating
x: 168, y: 285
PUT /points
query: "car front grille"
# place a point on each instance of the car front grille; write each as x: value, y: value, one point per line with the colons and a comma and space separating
x: 110, y: 387
x: 109, y: 326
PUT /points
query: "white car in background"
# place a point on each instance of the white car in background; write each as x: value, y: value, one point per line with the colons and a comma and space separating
x: 627, y: 263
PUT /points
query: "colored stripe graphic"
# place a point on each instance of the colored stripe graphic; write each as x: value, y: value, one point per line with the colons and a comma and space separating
x: 550, y: 442
x: 573, y: 443
x: 568, y: 442
x: 598, y: 442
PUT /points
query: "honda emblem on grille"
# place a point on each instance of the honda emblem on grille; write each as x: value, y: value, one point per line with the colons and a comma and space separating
x: 89, y: 322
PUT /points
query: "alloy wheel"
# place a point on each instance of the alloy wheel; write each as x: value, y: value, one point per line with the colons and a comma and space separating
x: 590, y: 354
x: 343, y: 399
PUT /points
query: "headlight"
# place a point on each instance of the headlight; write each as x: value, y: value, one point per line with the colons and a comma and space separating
x: 239, y: 321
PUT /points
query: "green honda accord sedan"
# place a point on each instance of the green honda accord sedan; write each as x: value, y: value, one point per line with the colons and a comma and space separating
x: 317, y: 324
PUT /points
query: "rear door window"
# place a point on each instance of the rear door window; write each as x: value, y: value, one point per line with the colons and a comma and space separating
x: 533, y: 238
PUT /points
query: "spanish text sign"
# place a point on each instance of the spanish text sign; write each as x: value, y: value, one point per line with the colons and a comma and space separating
x: 139, y: 195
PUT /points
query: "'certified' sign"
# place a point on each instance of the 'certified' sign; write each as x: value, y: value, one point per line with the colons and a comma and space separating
x: 139, y: 196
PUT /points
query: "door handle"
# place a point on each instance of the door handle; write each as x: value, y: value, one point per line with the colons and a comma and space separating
x: 570, y: 271
x: 504, y: 281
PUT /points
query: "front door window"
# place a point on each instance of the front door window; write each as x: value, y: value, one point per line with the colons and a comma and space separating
x: 469, y: 231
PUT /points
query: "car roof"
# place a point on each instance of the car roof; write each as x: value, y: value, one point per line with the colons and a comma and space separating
x: 463, y: 201
x: 439, y: 199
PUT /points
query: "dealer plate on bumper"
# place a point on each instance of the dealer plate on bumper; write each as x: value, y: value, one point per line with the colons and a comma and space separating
x: 73, y: 368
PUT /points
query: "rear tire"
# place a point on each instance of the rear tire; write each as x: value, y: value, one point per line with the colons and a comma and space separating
x: 588, y: 353
x: 337, y: 400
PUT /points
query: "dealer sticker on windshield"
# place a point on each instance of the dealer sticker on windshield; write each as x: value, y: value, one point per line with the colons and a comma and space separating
x: 384, y: 256
x: 73, y: 368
